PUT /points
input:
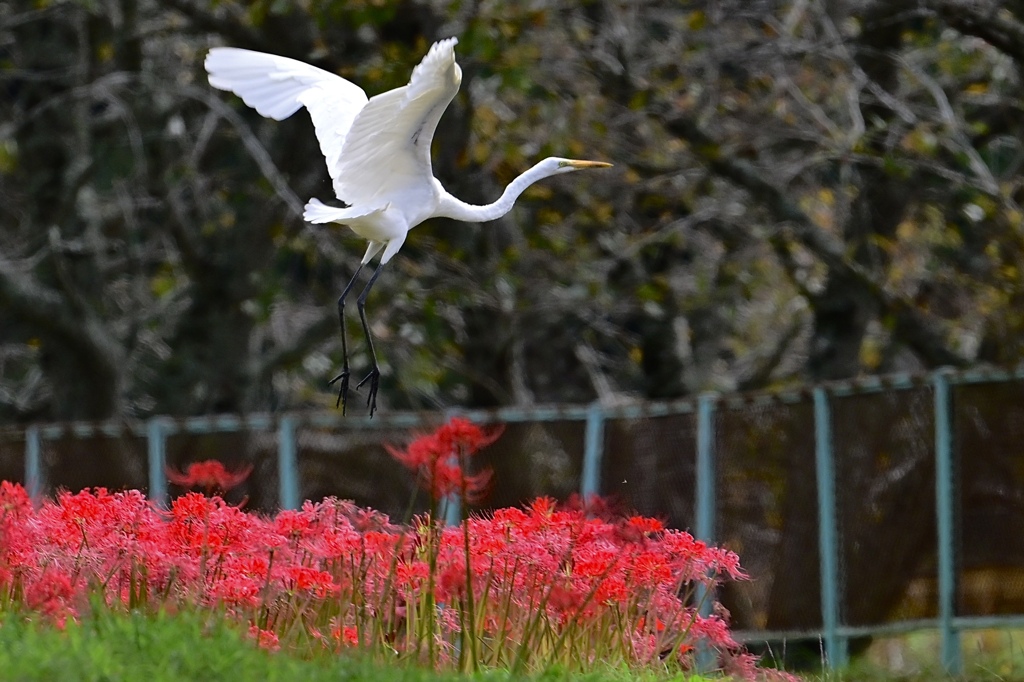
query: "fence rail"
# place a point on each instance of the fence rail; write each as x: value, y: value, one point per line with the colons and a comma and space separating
x: 875, y: 453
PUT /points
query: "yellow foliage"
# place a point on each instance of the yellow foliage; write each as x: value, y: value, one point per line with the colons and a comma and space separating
x: 8, y: 156
x: 1014, y: 217
x: 603, y: 211
x: 920, y: 140
x: 870, y: 353
x: 162, y: 283
x: 820, y: 207
x: 906, y: 230
x: 549, y: 216
x: 540, y: 192
x: 479, y: 151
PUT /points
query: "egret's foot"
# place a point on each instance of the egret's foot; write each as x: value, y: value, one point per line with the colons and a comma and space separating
x: 342, y: 389
x: 371, y: 399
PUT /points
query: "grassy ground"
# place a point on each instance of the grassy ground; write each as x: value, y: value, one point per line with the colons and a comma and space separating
x: 988, y: 656
x: 186, y: 647
x: 190, y: 647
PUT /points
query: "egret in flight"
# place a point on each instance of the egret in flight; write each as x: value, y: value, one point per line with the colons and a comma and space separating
x: 378, y: 156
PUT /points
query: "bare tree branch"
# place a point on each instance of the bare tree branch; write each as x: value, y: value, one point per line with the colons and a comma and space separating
x: 991, y: 24
x: 100, y: 357
x: 252, y: 144
x: 918, y: 330
x: 236, y: 31
x: 285, y: 355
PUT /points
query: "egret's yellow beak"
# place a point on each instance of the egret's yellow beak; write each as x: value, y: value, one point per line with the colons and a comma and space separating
x: 589, y: 164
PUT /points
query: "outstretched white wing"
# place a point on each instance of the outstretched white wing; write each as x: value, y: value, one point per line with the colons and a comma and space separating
x: 277, y: 87
x: 386, y: 155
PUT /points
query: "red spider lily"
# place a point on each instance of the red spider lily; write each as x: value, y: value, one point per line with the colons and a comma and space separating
x: 451, y: 584
x: 265, y: 639
x: 411, y: 575
x: 210, y: 475
x: 347, y: 635
x: 52, y: 594
x: 338, y: 576
x: 438, y: 458
x: 565, y: 599
x: 462, y: 434
x: 310, y: 580
x: 14, y: 499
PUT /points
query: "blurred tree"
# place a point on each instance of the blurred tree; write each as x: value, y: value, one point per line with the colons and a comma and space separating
x: 804, y: 190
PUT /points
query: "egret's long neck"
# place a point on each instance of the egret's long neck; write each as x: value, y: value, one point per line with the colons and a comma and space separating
x: 451, y: 207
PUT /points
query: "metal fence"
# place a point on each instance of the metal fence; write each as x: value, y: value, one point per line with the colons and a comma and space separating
x: 858, y: 508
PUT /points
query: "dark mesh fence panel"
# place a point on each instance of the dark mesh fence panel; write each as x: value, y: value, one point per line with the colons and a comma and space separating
x: 76, y: 462
x: 527, y: 460
x: 766, y: 496
x: 649, y: 467
x: 264, y: 485
x: 353, y: 465
x: 12, y: 460
x: 885, y: 488
x: 767, y: 513
x: 989, y: 437
x: 534, y: 459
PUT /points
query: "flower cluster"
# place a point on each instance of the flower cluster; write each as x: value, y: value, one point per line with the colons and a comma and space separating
x: 519, y: 588
x: 440, y: 460
x: 211, y: 476
x: 338, y: 576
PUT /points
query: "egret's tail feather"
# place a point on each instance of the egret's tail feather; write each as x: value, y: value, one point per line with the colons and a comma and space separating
x: 319, y: 212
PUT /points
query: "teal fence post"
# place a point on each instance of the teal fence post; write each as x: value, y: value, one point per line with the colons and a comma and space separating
x: 951, y: 659
x: 452, y: 510
x: 452, y: 504
x: 704, y: 513
x: 287, y: 464
x: 828, y: 547
x: 593, y: 452
x: 704, y: 505
x: 156, y: 447
x: 33, y: 463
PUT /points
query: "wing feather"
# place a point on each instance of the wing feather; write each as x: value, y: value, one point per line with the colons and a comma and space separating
x: 277, y: 87
x: 386, y: 152
x: 376, y: 150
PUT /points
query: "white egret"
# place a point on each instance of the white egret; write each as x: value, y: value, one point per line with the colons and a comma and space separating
x: 378, y: 155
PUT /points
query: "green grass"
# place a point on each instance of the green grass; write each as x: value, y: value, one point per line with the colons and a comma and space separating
x: 191, y: 647
x: 988, y: 656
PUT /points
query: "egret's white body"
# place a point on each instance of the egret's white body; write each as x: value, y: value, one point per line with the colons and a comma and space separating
x: 377, y: 150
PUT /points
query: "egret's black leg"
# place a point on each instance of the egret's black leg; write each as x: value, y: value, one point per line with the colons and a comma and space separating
x: 343, y: 377
x: 374, y: 376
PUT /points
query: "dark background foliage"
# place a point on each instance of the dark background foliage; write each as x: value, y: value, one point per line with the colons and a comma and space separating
x: 803, y: 190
